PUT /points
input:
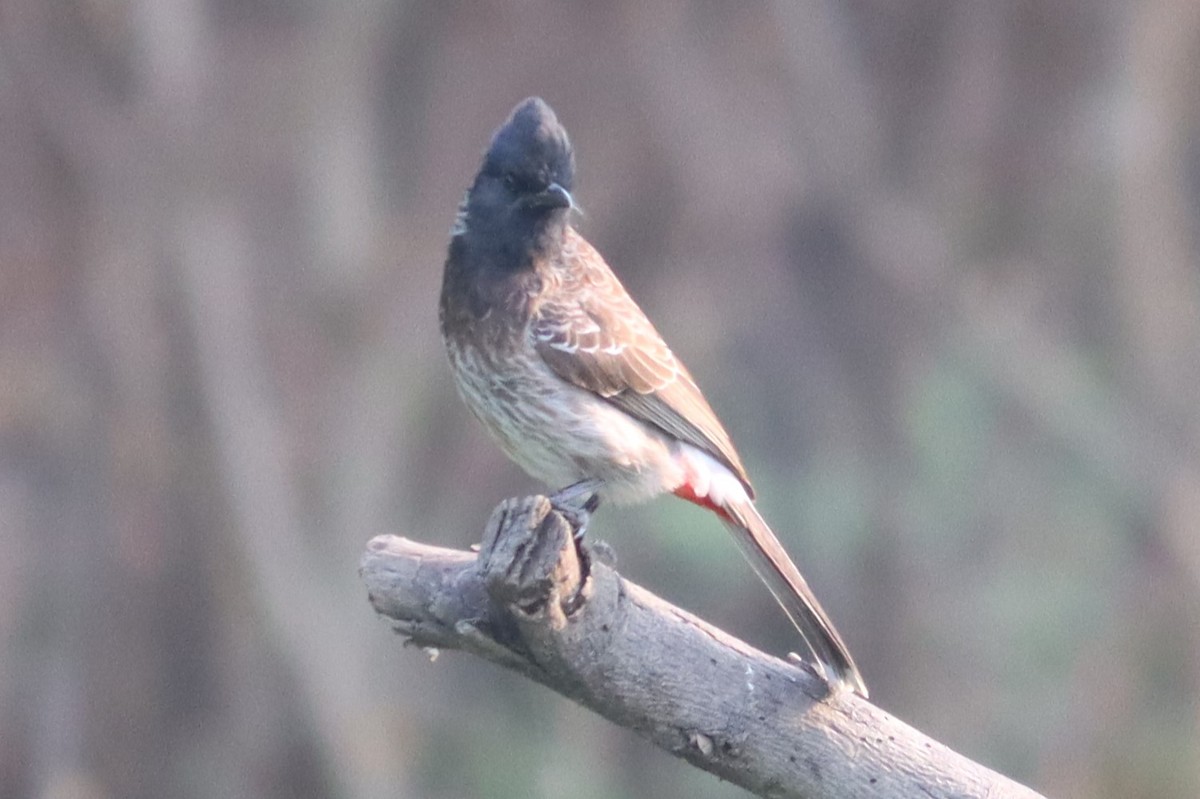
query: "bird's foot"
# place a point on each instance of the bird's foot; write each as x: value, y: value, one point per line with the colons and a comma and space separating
x: 577, y: 502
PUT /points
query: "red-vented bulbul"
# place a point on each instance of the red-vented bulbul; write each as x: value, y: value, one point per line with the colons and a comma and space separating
x: 572, y: 380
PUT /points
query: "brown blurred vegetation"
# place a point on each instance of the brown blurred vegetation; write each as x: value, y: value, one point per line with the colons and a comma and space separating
x: 935, y: 263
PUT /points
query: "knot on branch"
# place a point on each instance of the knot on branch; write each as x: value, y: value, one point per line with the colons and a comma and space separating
x: 529, y: 561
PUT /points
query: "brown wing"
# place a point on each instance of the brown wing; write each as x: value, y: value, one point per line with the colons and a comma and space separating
x: 592, y: 334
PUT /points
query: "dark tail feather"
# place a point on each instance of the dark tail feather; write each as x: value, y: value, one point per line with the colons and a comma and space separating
x: 760, y: 546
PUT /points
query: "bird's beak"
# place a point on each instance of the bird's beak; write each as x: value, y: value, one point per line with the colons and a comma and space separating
x: 555, y: 196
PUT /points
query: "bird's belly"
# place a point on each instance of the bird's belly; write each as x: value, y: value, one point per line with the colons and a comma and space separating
x: 561, y: 434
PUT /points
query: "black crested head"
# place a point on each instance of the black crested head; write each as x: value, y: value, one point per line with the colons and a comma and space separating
x: 531, y: 146
x: 518, y: 205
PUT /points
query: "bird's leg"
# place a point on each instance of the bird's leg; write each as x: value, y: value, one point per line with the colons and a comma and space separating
x: 577, y: 502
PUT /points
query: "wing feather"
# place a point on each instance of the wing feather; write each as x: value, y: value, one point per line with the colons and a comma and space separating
x: 593, y: 335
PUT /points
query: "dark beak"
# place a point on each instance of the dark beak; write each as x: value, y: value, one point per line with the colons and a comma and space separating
x: 555, y: 196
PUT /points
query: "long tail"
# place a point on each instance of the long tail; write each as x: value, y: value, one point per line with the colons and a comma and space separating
x: 760, y: 546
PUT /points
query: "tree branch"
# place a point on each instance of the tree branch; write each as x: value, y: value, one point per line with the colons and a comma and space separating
x: 534, y: 602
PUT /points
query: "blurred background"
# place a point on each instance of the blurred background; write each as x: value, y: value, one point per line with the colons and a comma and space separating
x: 934, y: 263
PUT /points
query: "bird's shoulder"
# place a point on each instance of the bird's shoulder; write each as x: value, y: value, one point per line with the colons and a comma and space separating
x: 584, y: 321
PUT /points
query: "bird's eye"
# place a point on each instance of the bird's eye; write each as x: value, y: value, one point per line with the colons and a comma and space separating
x: 510, y: 181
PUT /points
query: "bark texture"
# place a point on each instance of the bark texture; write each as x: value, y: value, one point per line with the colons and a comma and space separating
x: 534, y: 601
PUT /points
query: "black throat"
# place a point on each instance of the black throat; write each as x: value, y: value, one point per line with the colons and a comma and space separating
x: 493, y: 272
x: 510, y: 243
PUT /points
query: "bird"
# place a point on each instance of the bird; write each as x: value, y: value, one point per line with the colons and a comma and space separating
x: 571, y: 378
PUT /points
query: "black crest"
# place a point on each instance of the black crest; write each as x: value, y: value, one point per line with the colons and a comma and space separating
x: 532, y: 148
x: 518, y: 205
